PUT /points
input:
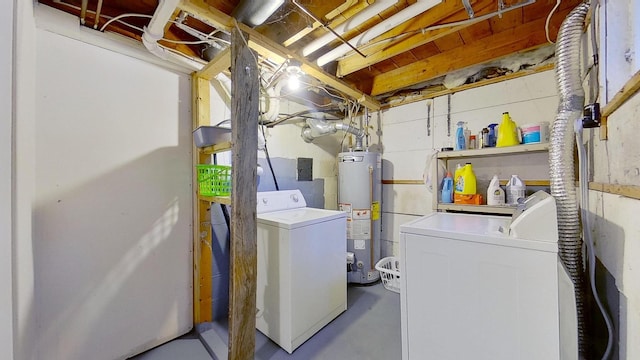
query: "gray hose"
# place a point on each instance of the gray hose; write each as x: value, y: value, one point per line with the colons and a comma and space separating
x: 561, y: 152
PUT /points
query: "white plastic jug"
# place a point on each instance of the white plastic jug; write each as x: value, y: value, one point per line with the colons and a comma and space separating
x: 495, y: 194
x: 515, y: 190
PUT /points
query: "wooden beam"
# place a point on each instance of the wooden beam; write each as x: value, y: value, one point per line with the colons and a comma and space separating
x: 244, y: 136
x: 276, y: 52
x: 384, y: 50
x: 220, y: 63
x: 629, y: 89
x: 202, y: 311
x: 209, y: 14
x: 630, y: 191
x: 520, y: 39
x: 430, y: 94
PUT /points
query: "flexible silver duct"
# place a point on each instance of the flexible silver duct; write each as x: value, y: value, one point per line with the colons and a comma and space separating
x: 317, y: 127
x: 561, y: 152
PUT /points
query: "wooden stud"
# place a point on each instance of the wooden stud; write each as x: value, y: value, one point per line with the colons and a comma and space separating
x: 629, y: 89
x: 630, y: 191
x: 244, y: 135
x: 202, y: 256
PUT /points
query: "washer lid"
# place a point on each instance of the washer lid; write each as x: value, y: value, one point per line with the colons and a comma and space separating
x: 295, y: 218
x: 474, y: 228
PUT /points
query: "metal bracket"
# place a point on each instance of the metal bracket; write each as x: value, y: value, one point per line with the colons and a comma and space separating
x: 467, y: 6
x: 501, y: 7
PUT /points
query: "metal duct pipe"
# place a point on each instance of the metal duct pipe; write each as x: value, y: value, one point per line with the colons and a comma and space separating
x: 316, y: 128
x: 254, y: 13
x: 561, y: 165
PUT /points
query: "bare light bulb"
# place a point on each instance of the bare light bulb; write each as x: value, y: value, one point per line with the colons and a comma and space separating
x: 293, y: 77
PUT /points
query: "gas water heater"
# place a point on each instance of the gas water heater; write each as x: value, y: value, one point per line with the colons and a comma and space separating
x: 359, y: 194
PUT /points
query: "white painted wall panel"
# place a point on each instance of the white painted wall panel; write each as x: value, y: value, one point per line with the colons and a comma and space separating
x: 112, y: 217
x: 24, y: 180
x: 6, y: 174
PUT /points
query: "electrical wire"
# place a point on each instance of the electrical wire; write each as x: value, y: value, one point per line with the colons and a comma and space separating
x: 586, y: 235
x: 266, y: 153
x: 546, y: 24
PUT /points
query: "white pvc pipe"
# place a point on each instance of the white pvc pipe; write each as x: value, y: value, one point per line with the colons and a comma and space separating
x: 155, y: 31
x: 403, y: 15
x: 352, y: 23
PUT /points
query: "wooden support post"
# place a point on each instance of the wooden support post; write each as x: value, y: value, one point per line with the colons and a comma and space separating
x: 202, y: 256
x: 244, y: 135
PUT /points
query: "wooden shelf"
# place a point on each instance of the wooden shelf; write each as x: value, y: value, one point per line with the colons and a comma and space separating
x: 507, y: 210
x: 218, y: 199
x: 225, y: 146
x: 493, y: 151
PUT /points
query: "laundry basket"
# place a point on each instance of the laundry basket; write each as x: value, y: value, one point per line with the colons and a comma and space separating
x: 214, y: 180
x: 389, y: 268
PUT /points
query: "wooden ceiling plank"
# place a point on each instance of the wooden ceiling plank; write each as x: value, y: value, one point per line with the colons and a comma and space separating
x: 218, y: 64
x: 508, y: 20
x: 476, y: 32
x: 490, y: 48
x: 449, y: 41
x: 352, y: 63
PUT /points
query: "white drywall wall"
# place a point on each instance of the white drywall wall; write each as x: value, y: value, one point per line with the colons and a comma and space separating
x: 24, y: 180
x: 6, y: 173
x: 112, y: 212
x: 528, y: 99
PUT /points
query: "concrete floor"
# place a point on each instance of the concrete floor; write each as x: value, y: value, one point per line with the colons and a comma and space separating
x: 369, y: 329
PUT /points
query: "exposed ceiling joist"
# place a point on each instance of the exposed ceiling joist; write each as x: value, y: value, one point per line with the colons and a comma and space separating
x: 218, y: 64
x: 519, y: 39
x: 383, y: 50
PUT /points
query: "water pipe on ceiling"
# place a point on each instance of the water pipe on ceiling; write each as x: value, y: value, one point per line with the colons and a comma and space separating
x: 154, y: 31
x: 403, y: 15
x: 352, y: 23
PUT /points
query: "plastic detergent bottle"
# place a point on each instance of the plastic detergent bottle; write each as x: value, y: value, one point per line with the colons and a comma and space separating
x: 492, y: 135
x: 460, y: 136
x: 456, y: 176
x: 495, y: 194
x: 447, y: 189
x: 507, y: 132
x: 515, y: 190
x: 466, y: 183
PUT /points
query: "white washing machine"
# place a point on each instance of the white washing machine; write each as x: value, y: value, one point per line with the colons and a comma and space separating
x: 302, y: 281
x: 486, y: 287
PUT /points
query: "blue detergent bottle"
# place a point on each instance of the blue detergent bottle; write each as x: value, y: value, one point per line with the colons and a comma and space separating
x: 447, y: 189
x: 460, y: 138
x: 492, y: 135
